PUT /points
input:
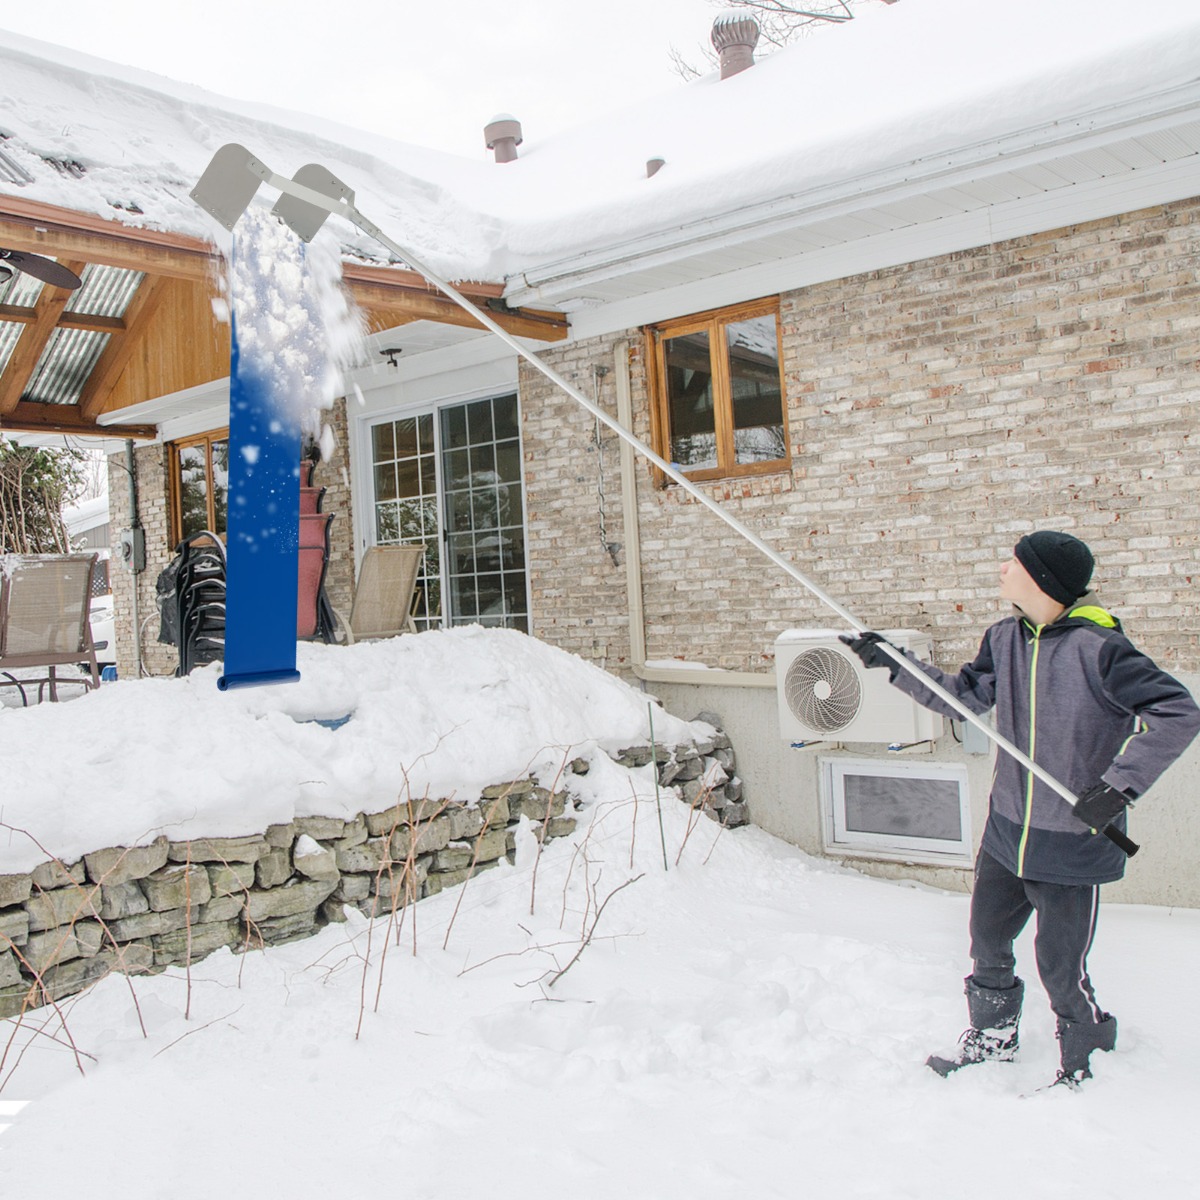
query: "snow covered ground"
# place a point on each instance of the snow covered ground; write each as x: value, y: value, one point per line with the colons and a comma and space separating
x: 748, y: 1021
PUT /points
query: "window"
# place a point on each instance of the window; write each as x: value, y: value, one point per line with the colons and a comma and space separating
x: 914, y: 812
x: 199, y: 470
x: 718, y: 392
x: 451, y: 478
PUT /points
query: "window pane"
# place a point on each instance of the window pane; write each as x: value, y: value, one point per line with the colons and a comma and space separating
x: 383, y: 443
x: 457, y: 465
x: 220, y: 477
x: 479, y: 418
x: 385, y: 482
x: 690, y: 401
x: 483, y: 465
x: 758, y: 432
x: 387, y: 524
x: 508, y: 462
x: 491, y: 599
x: 408, y: 478
x: 454, y: 426
x: 458, y: 506
x: 193, y: 490
x: 505, y: 410
x: 406, y: 438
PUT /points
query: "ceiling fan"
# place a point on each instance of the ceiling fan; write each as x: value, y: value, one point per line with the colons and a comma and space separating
x: 45, y: 269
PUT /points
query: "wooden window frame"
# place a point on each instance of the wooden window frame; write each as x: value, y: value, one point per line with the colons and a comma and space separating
x: 713, y: 322
x: 176, y: 486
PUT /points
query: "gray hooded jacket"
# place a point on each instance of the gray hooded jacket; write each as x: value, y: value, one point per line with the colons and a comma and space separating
x: 1082, y: 703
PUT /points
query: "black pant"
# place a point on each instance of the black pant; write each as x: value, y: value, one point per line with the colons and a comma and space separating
x: 1001, y: 905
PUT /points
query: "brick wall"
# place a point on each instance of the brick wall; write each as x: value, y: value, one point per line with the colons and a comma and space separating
x: 936, y: 411
x: 154, y: 513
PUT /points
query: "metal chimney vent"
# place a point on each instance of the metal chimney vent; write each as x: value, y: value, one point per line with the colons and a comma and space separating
x: 734, y: 34
x: 503, y: 135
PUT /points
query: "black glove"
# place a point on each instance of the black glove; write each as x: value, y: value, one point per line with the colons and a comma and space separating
x: 867, y: 646
x: 1099, y: 805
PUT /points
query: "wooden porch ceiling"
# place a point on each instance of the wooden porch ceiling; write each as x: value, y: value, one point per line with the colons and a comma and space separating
x: 165, y: 311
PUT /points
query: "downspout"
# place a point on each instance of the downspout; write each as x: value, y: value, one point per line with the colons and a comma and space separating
x: 633, y: 564
x: 134, y: 524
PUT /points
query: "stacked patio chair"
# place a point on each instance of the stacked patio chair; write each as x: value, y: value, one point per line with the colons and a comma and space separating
x: 314, y: 615
x: 192, y: 601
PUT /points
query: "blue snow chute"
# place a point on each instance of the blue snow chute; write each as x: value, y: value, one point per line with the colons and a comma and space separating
x: 264, y: 447
x: 263, y: 531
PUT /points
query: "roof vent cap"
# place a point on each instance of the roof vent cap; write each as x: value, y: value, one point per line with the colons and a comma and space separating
x: 734, y: 34
x: 503, y: 135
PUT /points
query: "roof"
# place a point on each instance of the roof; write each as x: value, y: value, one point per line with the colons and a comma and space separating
x: 921, y: 127
x: 908, y: 88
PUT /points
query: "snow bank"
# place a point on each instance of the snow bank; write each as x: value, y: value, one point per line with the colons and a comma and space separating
x: 445, y: 713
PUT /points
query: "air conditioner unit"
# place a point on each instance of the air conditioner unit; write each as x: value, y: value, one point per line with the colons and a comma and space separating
x: 826, y: 694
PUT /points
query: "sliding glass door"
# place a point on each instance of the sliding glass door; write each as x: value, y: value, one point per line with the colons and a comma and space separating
x: 451, y: 479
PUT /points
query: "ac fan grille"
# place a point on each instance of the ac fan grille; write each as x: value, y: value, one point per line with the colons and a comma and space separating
x: 823, y: 690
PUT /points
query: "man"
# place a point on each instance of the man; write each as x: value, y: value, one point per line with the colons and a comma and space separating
x: 1070, y: 691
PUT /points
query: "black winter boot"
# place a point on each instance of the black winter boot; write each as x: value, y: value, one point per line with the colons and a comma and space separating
x: 994, y: 1014
x: 1076, y: 1041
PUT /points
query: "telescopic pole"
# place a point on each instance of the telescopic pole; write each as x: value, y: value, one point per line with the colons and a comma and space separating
x: 346, y: 209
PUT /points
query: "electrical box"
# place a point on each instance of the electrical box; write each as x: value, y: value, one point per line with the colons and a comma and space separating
x: 133, y: 549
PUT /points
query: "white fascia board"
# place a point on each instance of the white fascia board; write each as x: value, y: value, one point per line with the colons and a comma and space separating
x: 1076, y: 203
x: 551, y: 282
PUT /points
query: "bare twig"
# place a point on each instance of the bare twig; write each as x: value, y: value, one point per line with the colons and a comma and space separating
x: 590, y: 933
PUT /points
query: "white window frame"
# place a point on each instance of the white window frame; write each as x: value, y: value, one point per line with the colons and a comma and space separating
x: 892, y: 847
x: 418, y: 390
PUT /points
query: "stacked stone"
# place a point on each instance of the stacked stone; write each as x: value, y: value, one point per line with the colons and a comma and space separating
x: 703, y: 772
x: 144, y: 908
x: 141, y: 909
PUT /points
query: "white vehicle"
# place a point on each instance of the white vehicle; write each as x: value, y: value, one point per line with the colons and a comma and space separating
x: 103, y: 630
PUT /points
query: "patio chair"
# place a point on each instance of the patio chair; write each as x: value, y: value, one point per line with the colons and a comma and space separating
x: 44, y: 619
x: 383, y: 596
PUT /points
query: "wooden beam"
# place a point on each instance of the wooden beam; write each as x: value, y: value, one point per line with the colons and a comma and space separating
x: 395, y: 296
x: 32, y: 342
x: 37, y: 228
x: 112, y: 361
x: 24, y: 315
x: 32, y: 417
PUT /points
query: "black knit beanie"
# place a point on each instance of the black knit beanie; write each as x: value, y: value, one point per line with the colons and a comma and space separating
x: 1058, y: 563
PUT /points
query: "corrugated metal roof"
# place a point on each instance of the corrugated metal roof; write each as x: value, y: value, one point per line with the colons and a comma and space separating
x: 22, y: 290
x: 66, y: 362
x: 106, y: 291
x: 10, y: 331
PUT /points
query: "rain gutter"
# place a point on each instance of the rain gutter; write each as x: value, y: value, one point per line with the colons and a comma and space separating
x: 633, y: 564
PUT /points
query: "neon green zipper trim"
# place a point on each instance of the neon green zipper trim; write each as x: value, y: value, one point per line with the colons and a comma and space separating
x: 1037, y: 646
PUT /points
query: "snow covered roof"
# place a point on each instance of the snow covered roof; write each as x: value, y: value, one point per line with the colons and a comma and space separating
x: 916, y: 113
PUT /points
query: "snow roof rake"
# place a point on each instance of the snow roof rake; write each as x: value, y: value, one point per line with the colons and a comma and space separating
x: 231, y: 181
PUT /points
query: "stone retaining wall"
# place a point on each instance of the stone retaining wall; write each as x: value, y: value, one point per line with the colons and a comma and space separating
x: 142, y: 909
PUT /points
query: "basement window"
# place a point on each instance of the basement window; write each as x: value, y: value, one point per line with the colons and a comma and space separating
x: 717, y: 388
x: 907, y: 812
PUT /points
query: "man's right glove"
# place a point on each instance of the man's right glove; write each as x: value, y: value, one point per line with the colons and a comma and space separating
x: 867, y: 646
x: 1100, y: 805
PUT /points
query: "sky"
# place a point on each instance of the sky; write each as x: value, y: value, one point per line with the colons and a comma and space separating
x: 432, y: 75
